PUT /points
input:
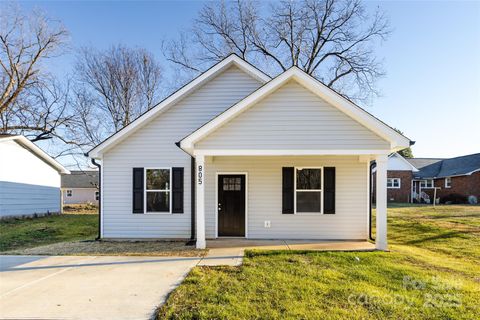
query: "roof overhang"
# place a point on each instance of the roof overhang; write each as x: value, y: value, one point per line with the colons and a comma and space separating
x: 229, y: 61
x: 397, y: 141
x: 24, y: 142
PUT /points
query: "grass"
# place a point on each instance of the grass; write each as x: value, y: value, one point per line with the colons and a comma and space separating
x: 73, y: 233
x: 31, y: 232
x: 432, y: 272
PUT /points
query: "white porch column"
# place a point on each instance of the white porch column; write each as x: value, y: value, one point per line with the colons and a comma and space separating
x: 381, y: 196
x: 200, y: 201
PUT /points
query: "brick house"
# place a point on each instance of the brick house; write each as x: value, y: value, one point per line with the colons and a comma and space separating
x: 420, y: 179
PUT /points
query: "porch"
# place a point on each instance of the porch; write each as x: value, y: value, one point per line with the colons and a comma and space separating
x: 259, y: 185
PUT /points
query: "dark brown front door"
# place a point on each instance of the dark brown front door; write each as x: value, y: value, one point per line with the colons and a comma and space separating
x: 231, y: 205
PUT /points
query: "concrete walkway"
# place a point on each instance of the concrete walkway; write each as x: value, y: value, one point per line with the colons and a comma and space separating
x: 230, y: 251
x: 87, y: 287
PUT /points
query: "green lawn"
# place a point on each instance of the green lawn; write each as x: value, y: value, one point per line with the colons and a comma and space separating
x: 432, y: 272
x: 32, y: 232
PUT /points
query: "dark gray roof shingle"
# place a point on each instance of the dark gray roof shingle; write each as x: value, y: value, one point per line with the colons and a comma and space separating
x: 441, y: 168
x: 80, y: 179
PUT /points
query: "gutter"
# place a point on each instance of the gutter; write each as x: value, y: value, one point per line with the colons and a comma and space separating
x: 99, y: 197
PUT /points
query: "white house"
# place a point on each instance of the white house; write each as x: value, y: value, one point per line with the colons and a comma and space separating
x: 29, y: 179
x: 80, y: 186
x: 281, y: 158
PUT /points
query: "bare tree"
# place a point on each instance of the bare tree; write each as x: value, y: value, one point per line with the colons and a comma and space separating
x: 329, y: 39
x: 31, y: 102
x: 112, y: 89
x: 40, y: 112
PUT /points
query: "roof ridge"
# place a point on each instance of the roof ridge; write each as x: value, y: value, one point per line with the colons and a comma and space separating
x: 467, y: 155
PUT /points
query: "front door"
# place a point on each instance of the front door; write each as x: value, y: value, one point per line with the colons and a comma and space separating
x: 231, y: 205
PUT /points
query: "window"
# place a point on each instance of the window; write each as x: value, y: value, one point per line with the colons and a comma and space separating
x: 308, y: 190
x: 69, y: 193
x: 97, y: 194
x: 393, y: 183
x: 232, y: 184
x: 448, y: 182
x: 157, y: 190
x: 427, y: 184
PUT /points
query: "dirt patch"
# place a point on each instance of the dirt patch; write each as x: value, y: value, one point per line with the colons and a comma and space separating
x: 124, y: 248
x: 81, y: 208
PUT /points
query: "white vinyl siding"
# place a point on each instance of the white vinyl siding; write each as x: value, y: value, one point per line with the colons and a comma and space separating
x: 28, y: 185
x: 80, y: 195
x: 350, y: 220
x: 18, y: 199
x: 293, y: 118
x: 154, y: 146
x: 19, y: 164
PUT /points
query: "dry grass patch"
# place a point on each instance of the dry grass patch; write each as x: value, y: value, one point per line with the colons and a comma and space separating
x: 81, y: 208
x: 124, y: 248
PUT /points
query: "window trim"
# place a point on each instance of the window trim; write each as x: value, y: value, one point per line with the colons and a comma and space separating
x: 145, y: 191
x: 312, y: 190
x: 448, y: 185
x: 425, y: 186
x: 393, y: 184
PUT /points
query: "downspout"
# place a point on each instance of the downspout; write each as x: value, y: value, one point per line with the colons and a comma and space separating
x: 99, y: 197
x: 192, y: 196
x: 372, y: 165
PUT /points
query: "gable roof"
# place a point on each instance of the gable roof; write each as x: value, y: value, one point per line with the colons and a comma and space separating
x: 397, y: 140
x: 441, y: 168
x: 80, y: 179
x: 401, y: 158
x: 229, y: 61
x: 39, y: 153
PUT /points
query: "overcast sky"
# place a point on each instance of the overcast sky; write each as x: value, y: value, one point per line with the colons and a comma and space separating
x: 432, y: 87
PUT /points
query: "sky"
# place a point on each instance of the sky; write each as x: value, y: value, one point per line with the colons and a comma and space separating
x: 431, y: 90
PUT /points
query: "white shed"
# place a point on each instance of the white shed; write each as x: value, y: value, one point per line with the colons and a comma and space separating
x: 29, y: 179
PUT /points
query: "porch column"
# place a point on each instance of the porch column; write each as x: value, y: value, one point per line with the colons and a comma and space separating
x: 381, y: 234
x: 200, y: 198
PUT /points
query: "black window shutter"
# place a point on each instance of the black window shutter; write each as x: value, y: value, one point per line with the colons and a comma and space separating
x: 288, y: 179
x: 137, y: 190
x: 177, y: 190
x: 329, y: 192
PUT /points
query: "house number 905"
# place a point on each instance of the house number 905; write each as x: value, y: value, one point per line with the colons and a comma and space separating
x: 200, y: 174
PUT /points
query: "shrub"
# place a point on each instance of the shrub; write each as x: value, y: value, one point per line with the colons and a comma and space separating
x: 454, y: 198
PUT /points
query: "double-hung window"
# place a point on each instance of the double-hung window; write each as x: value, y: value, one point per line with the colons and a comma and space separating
x: 427, y: 184
x: 157, y: 190
x: 308, y: 190
x: 448, y: 182
x: 393, y: 183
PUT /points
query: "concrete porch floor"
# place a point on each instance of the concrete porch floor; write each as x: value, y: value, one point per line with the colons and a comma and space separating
x: 230, y: 251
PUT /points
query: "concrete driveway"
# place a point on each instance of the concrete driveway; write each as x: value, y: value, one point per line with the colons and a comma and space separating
x: 88, y: 287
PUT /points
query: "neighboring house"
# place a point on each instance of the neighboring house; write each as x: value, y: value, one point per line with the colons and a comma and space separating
x: 29, y: 179
x: 415, y: 180
x: 281, y: 158
x: 80, y: 187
